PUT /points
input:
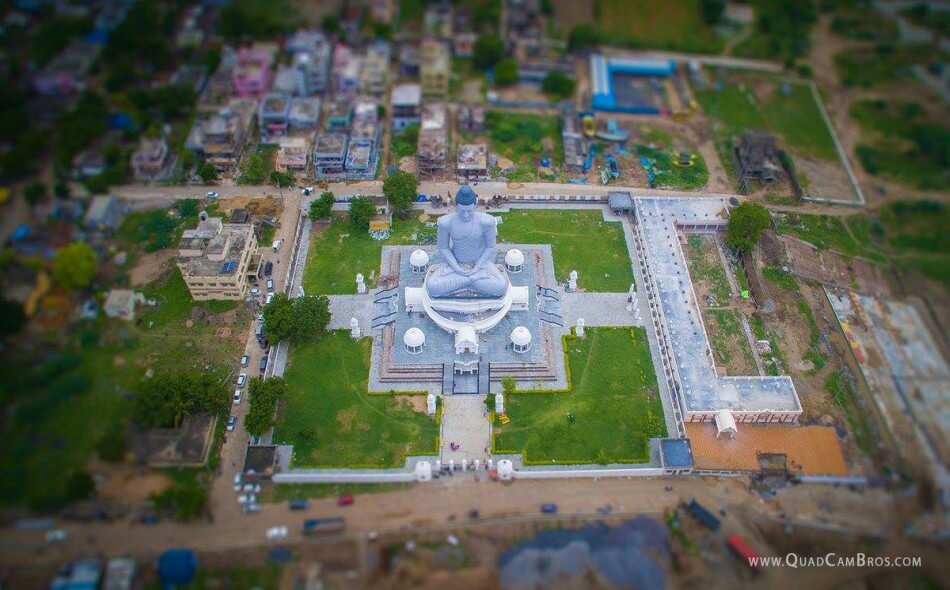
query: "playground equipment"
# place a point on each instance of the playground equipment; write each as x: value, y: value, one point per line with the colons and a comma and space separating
x: 613, y: 132
x: 684, y: 160
x: 590, y: 159
x: 504, y: 419
x: 613, y: 165
x: 588, y: 124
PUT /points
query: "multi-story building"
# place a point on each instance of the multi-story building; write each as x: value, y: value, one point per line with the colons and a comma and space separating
x: 404, y: 104
x: 434, y: 69
x: 329, y: 153
x: 152, y: 159
x: 273, y: 117
x: 437, y: 19
x: 311, y: 59
x: 287, y: 81
x: 432, y: 144
x: 408, y: 60
x: 217, y: 260
x: 304, y: 113
x: 293, y: 154
x: 346, y: 71
x: 463, y: 44
x: 339, y: 114
x: 220, y: 138
x: 473, y: 161
x: 375, y: 70
x: 365, y: 120
x: 471, y: 117
x: 252, y: 76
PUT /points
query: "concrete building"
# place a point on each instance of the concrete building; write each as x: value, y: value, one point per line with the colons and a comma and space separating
x: 293, y: 153
x: 152, y: 160
x: 409, y: 60
x: 120, y: 303
x: 304, y: 113
x: 252, y: 76
x: 437, y: 19
x: 365, y: 120
x: 288, y: 81
x: 434, y: 66
x: 473, y: 161
x: 471, y: 117
x: 346, y: 71
x: 404, y: 104
x: 759, y: 157
x: 89, y: 162
x: 218, y: 259
x: 463, y: 44
x: 220, y: 138
x: 375, y: 70
x: 66, y: 73
x: 273, y: 116
x: 311, y: 60
x: 382, y: 11
x: 105, y: 214
x: 432, y: 146
x: 339, y: 114
x: 329, y: 153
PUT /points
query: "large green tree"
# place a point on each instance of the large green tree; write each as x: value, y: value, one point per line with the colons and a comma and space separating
x: 263, y: 396
x: 712, y: 10
x: 167, y: 398
x: 506, y: 72
x: 362, y: 211
x: 487, y: 51
x: 558, y: 84
x: 297, y: 320
x: 583, y: 36
x: 34, y: 193
x: 322, y: 207
x: 746, y: 223
x: 401, y: 189
x: 279, y: 318
x: 74, y: 265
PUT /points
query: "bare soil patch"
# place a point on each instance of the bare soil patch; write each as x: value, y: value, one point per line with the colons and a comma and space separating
x: 149, y: 267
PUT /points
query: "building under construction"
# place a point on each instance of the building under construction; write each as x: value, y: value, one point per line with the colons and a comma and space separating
x: 472, y: 162
x: 433, y: 142
x: 759, y: 158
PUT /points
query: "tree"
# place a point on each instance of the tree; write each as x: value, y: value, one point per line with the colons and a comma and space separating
x: 487, y: 51
x: 583, y: 36
x: 558, y: 84
x: 312, y: 315
x: 282, y: 178
x: 330, y: 24
x: 746, y: 224
x: 712, y: 10
x: 167, y: 398
x: 80, y: 486
x: 111, y: 446
x: 12, y: 317
x: 401, y: 189
x: 263, y: 396
x: 61, y: 190
x: 506, y: 72
x: 74, y: 265
x: 207, y: 172
x: 254, y: 169
x: 362, y: 211
x: 34, y: 193
x: 186, y: 498
x: 322, y: 207
x: 279, y: 318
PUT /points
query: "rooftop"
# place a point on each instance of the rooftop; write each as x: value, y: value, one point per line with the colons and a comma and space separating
x: 330, y: 145
x: 407, y: 95
x: 473, y: 156
x: 213, y: 248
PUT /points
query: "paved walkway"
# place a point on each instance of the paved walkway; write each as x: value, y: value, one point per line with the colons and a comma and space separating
x: 597, y: 309
x: 464, y: 422
x: 344, y: 307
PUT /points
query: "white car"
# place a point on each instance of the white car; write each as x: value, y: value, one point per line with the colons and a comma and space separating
x: 237, y: 482
x: 232, y: 422
x: 270, y: 285
x: 211, y: 195
x: 242, y: 379
x: 307, y: 191
x: 270, y: 297
x: 56, y: 536
x: 245, y: 360
x: 251, y: 508
x: 255, y: 292
x: 242, y: 499
x: 276, y: 532
x: 237, y: 397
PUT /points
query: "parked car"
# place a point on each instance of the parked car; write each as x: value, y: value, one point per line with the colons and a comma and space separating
x: 345, y: 500
x: 299, y: 504
x: 211, y: 195
x: 232, y: 422
x: 237, y: 482
x: 270, y: 297
x: 270, y: 285
x: 548, y: 508
x: 237, y: 397
x: 276, y: 532
x: 56, y: 536
x: 307, y: 191
x: 255, y: 292
x: 268, y: 268
x: 251, y: 508
x: 245, y: 360
x: 243, y: 499
x: 277, y: 244
x: 242, y: 379
x: 263, y: 363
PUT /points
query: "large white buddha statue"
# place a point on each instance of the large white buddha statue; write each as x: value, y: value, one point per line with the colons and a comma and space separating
x: 466, y: 241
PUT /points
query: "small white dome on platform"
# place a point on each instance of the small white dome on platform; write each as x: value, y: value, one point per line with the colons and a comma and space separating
x: 414, y: 339
x: 418, y: 259
x: 521, y: 339
x: 514, y: 260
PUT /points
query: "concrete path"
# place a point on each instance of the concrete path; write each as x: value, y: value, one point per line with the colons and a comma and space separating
x: 597, y: 309
x: 344, y: 307
x: 464, y: 422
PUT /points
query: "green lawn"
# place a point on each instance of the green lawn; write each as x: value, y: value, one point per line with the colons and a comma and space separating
x: 903, y: 143
x: 580, y: 240
x: 695, y: 176
x: 56, y: 418
x: 523, y: 139
x: 674, y: 25
x: 614, y: 401
x: 331, y: 421
x: 339, y: 252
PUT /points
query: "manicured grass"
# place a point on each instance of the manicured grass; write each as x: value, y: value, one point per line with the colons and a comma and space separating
x: 286, y: 492
x: 522, y: 139
x: 339, y: 252
x: 704, y: 264
x: 331, y: 421
x: 883, y: 64
x: 614, y: 402
x: 674, y: 24
x: 580, y: 240
x: 903, y: 143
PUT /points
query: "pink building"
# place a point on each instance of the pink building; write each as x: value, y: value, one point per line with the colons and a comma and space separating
x: 252, y: 76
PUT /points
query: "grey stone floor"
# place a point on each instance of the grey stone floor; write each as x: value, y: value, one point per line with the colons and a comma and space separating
x: 597, y: 309
x: 464, y: 422
x: 344, y: 307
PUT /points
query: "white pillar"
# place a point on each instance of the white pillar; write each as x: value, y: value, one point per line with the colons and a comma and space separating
x: 355, y: 331
x: 438, y: 464
x: 451, y: 464
x: 572, y: 281
x: 477, y: 464
x: 464, y: 464
x: 430, y: 404
x: 632, y: 293
x: 360, y: 285
x: 490, y: 463
x: 499, y: 403
x: 580, y: 327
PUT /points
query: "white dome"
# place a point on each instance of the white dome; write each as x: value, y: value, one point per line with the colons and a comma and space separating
x: 514, y: 257
x: 414, y: 338
x: 520, y: 336
x: 419, y: 258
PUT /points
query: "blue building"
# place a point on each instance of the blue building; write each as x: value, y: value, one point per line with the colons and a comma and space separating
x: 627, y: 85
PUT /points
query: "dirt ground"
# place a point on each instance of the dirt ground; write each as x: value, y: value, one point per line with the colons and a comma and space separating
x: 569, y: 13
x: 149, y: 267
x: 121, y: 484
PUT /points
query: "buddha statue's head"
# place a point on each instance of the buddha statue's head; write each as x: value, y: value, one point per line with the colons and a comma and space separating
x: 465, y: 202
